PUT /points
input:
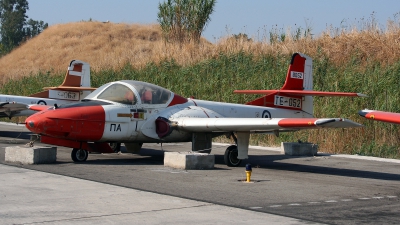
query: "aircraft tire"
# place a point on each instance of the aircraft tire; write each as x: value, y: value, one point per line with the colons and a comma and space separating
x: 230, y: 156
x: 115, y: 146
x: 79, y: 155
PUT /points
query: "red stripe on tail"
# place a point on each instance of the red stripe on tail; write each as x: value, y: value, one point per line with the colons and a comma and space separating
x: 294, y: 81
x: 295, y: 74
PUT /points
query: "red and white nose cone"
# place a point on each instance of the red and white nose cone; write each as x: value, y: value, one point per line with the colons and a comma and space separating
x: 74, y: 123
x: 34, y: 124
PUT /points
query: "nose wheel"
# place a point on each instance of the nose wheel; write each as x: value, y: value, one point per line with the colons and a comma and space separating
x: 231, y: 156
x: 79, y: 155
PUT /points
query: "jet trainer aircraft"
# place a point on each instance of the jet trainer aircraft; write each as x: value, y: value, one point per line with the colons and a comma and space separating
x: 135, y: 112
x: 389, y: 117
x: 75, y: 87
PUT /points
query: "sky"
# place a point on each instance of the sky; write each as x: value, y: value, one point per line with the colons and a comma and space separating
x: 252, y: 17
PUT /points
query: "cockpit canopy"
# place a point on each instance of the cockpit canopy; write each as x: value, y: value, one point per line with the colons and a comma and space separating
x: 131, y: 92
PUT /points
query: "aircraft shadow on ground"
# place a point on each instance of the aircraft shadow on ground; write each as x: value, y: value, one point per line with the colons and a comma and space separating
x: 147, y: 157
x: 16, y: 134
x: 270, y: 162
x: 156, y: 157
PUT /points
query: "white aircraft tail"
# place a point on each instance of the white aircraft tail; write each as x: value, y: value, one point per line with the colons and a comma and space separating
x: 297, y: 92
x: 76, y: 84
x: 78, y: 75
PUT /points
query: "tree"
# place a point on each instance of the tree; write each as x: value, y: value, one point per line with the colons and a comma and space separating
x: 242, y: 37
x: 14, y: 27
x: 12, y: 20
x: 34, y: 27
x: 184, y: 20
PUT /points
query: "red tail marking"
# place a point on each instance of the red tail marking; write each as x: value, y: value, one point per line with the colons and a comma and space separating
x: 294, y: 81
x: 70, y: 83
x: 295, y: 74
x: 71, y: 80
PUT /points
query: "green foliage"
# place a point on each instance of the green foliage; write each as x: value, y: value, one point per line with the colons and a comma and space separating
x: 278, y: 35
x: 34, y: 27
x: 184, y: 20
x: 12, y: 19
x: 32, y: 84
x: 14, y: 27
x: 216, y: 79
x: 243, y: 37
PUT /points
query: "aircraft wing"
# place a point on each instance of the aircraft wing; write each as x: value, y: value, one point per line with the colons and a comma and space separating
x: 259, y: 124
x: 12, y: 107
x: 388, y: 117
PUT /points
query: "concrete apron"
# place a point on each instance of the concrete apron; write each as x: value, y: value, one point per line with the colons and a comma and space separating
x: 36, y: 197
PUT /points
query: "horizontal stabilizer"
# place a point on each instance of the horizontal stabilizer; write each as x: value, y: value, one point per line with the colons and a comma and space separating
x: 383, y: 116
x: 301, y: 93
x: 66, y: 88
x: 259, y: 124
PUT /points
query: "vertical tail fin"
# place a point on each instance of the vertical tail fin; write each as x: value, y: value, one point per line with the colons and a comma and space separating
x: 76, y: 84
x: 297, y: 92
x: 78, y: 75
x: 299, y: 77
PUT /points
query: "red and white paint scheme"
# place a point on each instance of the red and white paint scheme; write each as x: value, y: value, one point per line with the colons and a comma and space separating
x: 134, y: 112
x: 75, y: 87
x: 383, y: 116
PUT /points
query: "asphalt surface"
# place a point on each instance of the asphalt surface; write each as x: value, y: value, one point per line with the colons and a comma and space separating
x: 321, y: 189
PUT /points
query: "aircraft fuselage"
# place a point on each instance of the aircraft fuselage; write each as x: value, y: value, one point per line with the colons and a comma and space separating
x: 102, y: 122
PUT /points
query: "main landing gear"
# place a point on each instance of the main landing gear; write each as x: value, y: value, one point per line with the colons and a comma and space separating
x: 231, y: 154
x: 115, y: 146
x: 79, y: 155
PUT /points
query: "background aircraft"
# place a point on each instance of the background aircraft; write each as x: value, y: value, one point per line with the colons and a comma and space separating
x: 388, y: 117
x: 135, y: 112
x: 75, y: 87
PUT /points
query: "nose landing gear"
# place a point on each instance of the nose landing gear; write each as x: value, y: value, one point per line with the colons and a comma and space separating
x: 79, y: 155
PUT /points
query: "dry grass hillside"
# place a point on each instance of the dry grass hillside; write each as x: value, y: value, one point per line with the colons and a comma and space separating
x: 109, y: 45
